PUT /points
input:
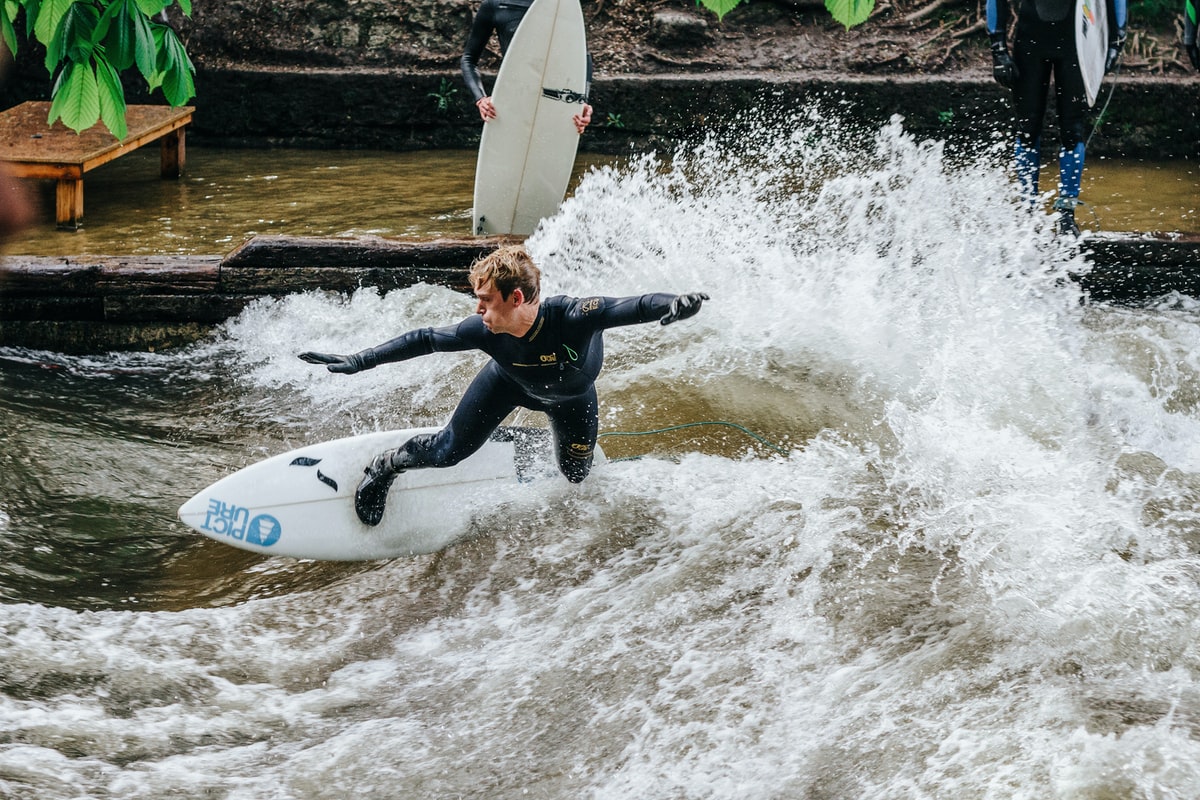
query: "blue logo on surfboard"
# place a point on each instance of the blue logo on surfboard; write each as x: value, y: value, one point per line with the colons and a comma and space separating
x: 227, y: 519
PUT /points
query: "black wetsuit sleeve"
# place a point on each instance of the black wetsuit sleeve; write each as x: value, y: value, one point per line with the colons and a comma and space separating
x: 600, y: 313
x: 481, y: 31
x: 421, y: 342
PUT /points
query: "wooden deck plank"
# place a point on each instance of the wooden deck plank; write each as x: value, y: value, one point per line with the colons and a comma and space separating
x: 25, y: 138
x: 33, y: 149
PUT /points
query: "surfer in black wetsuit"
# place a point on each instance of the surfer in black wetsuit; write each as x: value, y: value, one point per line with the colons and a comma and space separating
x: 1044, y: 44
x: 503, y: 17
x: 1190, y: 15
x: 546, y: 355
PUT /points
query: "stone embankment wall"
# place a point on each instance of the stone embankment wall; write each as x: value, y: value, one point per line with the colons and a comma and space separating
x: 96, y: 304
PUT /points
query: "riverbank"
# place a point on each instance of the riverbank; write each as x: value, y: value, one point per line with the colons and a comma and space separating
x: 393, y: 109
x: 250, y: 105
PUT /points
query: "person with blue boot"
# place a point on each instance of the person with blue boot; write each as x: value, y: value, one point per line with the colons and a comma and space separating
x: 1044, y: 46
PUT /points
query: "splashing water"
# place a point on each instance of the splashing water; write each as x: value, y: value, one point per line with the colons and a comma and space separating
x: 974, y: 575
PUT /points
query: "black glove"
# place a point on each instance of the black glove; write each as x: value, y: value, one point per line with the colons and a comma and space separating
x: 1193, y: 52
x: 347, y: 365
x: 683, y: 306
x: 1004, y: 69
x: 1114, y: 51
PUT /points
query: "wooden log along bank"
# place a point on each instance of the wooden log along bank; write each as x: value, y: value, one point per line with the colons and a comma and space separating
x: 93, y: 304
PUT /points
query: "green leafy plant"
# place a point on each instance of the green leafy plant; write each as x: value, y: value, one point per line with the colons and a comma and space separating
x: 443, y: 95
x: 850, y: 12
x: 89, y: 43
x: 614, y: 121
x: 719, y: 7
x: 847, y: 12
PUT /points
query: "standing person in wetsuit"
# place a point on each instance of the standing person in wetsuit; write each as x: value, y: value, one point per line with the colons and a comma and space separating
x: 1189, y: 32
x: 503, y: 17
x: 1044, y: 44
x: 546, y: 355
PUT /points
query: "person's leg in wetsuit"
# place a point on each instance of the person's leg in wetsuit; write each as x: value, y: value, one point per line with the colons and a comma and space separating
x: 1029, y: 97
x: 1071, y: 103
x: 575, y: 424
x: 1050, y: 50
x: 488, y: 400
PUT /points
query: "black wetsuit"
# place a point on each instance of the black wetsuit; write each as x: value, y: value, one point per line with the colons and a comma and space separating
x: 552, y: 368
x: 1044, y: 45
x: 503, y: 17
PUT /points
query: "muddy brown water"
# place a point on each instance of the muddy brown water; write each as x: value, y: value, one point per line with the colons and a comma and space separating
x: 230, y: 195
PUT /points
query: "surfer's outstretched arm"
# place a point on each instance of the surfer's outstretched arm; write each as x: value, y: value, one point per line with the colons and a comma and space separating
x: 601, y: 313
x: 420, y: 342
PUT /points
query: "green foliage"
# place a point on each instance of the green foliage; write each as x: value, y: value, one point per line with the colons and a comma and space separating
x: 719, y: 7
x: 614, y: 121
x: 847, y: 12
x: 443, y: 95
x: 850, y: 12
x: 89, y: 43
x: 1155, y: 12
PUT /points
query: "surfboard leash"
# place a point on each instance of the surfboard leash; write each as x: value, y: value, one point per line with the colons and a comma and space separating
x: 1112, y: 88
x: 760, y: 439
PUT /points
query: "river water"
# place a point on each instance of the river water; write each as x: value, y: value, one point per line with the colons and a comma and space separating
x: 230, y: 195
x: 971, y: 573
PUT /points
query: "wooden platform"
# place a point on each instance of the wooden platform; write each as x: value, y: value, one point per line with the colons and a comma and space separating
x: 33, y: 149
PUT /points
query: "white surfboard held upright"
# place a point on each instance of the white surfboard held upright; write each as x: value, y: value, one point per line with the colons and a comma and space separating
x: 527, y: 152
x: 1091, y: 44
x: 301, y: 503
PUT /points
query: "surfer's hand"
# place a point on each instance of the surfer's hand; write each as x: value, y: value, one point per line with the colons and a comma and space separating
x: 683, y: 306
x: 346, y: 365
x: 583, y: 118
x: 1193, y: 51
x: 1004, y: 69
x: 1114, y: 51
x: 487, y: 111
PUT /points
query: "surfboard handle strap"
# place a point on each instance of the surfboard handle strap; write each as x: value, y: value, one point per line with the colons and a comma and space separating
x: 564, y: 95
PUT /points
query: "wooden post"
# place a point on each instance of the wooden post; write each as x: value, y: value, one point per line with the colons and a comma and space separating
x: 69, y: 203
x: 174, y: 153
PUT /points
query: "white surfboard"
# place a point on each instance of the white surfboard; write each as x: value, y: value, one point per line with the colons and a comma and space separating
x: 301, y: 503
x: 1091, y: 44
x: 527, y: 152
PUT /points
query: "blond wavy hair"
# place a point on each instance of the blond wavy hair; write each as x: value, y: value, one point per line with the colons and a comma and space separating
x: 508, y: 268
